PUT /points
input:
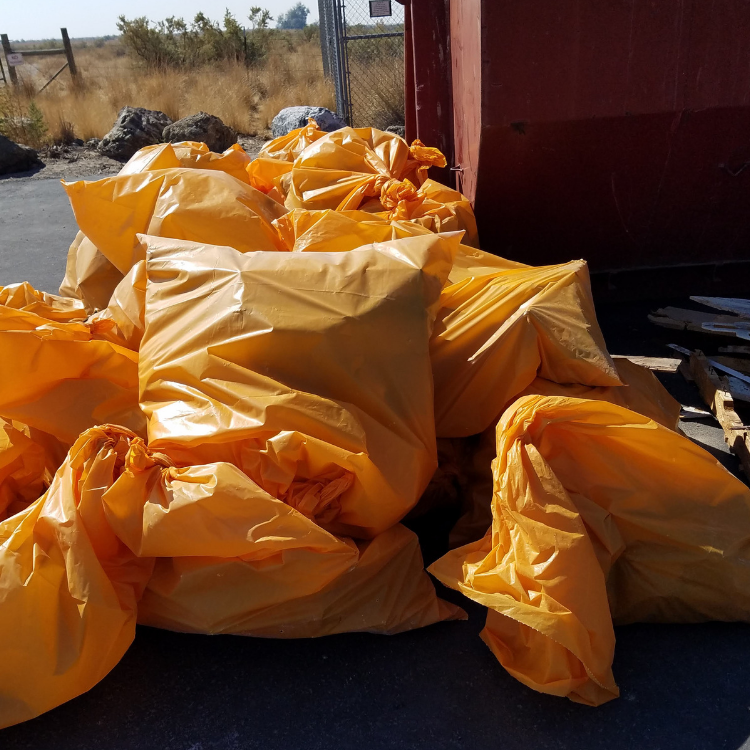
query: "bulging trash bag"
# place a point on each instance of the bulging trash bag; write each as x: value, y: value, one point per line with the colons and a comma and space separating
x: 190, y: 204
x: 496, y: 332
x: 89, y: 276
x: 195, y: 155
x: 58, y: 377
x: 309, y: 371
x: 468, y: 460
x: 344, y: 168
x: 70, y: 586
x: 599, y: 514
x: 270, y: 571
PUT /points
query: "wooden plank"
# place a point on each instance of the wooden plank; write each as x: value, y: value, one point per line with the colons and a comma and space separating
x: 69, y: 55
x: 691, y: 320
x: 659, y: 364
x: 741, y: 365
x: 716, y: 394
x: 739, y: 307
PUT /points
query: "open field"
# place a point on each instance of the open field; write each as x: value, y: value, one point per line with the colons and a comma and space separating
x: 245, y: 98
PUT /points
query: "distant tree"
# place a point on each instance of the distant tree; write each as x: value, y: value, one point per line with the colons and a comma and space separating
x: 294, y: 18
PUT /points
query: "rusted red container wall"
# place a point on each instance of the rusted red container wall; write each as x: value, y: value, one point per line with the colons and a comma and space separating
x: 617, y: 131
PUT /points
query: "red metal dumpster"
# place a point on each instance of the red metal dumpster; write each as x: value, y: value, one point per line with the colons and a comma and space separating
x: 617, y: 131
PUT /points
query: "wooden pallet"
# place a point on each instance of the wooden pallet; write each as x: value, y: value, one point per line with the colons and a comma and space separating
x: 714, y: 390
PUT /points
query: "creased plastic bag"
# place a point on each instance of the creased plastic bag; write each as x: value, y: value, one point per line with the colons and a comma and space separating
x: 69, y: 586
x: 468, y: 460
x: 234, y: 161
x: 495, y: 333
x: 597, y: 508
x: 190, y: 204
x: 309, y: 371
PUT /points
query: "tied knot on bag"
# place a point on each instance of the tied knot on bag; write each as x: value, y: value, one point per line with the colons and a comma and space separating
x: 375, y: 186
x: 401, y: 198
x: 426, y: 157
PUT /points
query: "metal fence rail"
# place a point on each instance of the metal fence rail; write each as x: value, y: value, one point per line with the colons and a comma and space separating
x: 364, y: 56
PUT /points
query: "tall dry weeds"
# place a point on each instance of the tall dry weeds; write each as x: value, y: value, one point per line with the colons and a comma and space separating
x: 246, y: 99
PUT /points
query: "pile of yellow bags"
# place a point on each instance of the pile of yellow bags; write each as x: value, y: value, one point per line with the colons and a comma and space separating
x: 258, y: 368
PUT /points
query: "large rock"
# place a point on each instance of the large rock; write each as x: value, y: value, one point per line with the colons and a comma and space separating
x: 204, y: 128
x: 16, y: 158
x: 134, y: 128
x: 292, y: 118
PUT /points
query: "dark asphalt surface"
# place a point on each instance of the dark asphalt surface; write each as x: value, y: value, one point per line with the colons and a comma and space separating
x: 683, y: 687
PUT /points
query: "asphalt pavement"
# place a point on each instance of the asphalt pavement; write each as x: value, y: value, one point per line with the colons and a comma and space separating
x: 683, y: 687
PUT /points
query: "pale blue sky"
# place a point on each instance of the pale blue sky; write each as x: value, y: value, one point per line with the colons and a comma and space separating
x: 42, y: 19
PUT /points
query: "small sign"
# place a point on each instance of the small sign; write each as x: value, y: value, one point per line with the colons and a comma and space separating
x: 14, y: 58
x: 380, y: 8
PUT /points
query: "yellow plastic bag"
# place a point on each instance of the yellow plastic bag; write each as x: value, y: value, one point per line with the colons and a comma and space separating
x: 59, y: 378
x: 344, y: 168
x: 599, y: 509
x: 70, y: 587
x: 234, y: 161
x: 234, y: 559
x: 189, y: 204
x: 496, y: 332
x: 384, y: 590
x: 308, y: 371
x: 89, y: 276
x: 468, y: 460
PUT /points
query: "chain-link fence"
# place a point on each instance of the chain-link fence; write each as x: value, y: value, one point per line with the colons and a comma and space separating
x: 362, y: 43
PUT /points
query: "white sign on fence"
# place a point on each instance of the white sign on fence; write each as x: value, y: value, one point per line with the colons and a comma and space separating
x: 380, y: 8
x: 15, y: 58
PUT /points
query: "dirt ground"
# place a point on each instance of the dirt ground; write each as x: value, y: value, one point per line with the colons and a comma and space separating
x: 79, y: 162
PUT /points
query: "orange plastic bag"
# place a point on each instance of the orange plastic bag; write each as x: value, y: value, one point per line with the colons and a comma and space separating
x: 599, y: 509
x: 468, y: 460
x: 59, y: 378
x: 496, y: 332
x: 70, y: 587
x: 234, y: 161
x: 190, y: 204
x: 344, y: 168
x: 308, y: 371
x: 384, y: 590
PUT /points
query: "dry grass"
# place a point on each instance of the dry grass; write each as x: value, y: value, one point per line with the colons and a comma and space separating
x: 245, y: 99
